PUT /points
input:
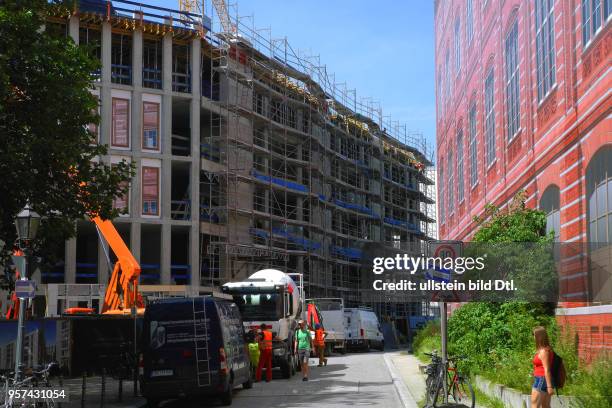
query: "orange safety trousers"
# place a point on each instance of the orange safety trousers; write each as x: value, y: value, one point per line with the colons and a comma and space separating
x: 265, y: 359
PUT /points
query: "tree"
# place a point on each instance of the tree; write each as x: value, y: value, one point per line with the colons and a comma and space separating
x: 517, y: 248
x: 48, y: 157
x: 516, y: 224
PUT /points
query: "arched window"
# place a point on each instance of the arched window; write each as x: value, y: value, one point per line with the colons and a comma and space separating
x: 549, y: 203
x: 599, y: 196
x: 599, y: 217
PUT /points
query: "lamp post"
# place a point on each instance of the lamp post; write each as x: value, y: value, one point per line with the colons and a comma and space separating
x: 26, y: 222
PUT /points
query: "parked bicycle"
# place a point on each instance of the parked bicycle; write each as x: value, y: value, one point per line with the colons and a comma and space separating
x: 11, y: 389
x: 458, y: 387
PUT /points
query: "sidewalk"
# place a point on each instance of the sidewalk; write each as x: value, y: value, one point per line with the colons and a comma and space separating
x: 93, y: 393
x: 407, y: 367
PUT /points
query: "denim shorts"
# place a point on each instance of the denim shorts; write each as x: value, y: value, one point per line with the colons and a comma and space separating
x: 539, y: 383
x: 303, y: 355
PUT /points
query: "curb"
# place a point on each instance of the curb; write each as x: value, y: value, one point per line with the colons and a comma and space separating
x: 403, y: 393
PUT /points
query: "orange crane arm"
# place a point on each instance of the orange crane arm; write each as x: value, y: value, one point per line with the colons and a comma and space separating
x: 13, y: 309
x: 122, y: 290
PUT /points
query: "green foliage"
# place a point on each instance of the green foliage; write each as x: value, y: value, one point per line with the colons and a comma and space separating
x: 497, y: 338
x: 515, y: 224
x: 485, y: 401
x: 47, y: 156
x: 592, y: 385
x: 427, y: 339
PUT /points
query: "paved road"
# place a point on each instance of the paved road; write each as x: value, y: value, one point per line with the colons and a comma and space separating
x: 353, y: 380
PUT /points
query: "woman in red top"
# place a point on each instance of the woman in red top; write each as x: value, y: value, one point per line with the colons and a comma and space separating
x: 542, y: 363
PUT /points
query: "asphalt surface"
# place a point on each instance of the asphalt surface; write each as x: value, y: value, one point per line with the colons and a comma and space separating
x: 352, y: 380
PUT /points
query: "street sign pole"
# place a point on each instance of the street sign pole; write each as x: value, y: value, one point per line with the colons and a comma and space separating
x: 24, y: 290
x: 444, y: 335
x: 20, y: 329
x: 135, y: 360
x: 445, y: 249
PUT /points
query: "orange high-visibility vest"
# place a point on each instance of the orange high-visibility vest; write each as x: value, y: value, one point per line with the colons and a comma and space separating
x: 319, y: 340
x: 267, y: 340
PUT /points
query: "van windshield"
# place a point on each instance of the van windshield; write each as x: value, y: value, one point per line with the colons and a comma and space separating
x: 259, y: 306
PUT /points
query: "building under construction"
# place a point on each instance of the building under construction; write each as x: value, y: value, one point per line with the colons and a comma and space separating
x: 248, y: 155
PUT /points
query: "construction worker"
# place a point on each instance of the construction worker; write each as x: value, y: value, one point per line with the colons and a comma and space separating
x: 319, y: 343
x: 254, y: 352
x: 265, y: 357
x: 303, y: 344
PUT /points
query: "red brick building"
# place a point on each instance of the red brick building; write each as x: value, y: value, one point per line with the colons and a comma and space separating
x: 524, y: 102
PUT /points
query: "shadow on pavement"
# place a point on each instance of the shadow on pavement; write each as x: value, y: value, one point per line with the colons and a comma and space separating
x: 326, y: 387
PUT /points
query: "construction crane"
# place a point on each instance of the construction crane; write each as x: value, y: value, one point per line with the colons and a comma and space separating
x: 122, y: 291
x: 197, y: 7
x: 121, y: 294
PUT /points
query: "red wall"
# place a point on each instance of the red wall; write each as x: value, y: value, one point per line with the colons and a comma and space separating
x: 557, y: 136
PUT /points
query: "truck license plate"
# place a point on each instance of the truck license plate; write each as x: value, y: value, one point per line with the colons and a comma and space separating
x: 161, y: 373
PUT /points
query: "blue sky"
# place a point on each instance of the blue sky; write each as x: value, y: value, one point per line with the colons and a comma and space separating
x: 384, y: 49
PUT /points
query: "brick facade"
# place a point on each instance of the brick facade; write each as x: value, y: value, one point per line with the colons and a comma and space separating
x: 558, y: 134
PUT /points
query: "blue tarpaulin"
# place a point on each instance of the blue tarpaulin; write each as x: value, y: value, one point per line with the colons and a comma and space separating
x: 279, y: 181
x: 393, y: 221
x: 359, y: 208
x: 306, y: 244
x: 351, y: 253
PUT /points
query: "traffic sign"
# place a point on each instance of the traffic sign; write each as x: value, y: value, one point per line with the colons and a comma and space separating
x: 25, y: 289
x: 447, y: 249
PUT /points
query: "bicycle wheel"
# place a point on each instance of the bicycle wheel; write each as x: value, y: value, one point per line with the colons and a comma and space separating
x: 428, y: 391
x: 437, y: 392
x: 463, y: 393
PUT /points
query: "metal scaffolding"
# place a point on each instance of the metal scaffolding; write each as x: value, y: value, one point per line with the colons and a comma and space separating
x: 299, y: 173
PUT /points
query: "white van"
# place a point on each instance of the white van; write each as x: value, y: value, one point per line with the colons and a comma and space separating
x: 332, y: 313
x: 363, y: 329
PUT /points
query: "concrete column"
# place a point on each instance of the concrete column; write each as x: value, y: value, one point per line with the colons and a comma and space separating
x: 105, y: 92
x: 300, y: 200
x: 166, y: 131
x: 70, y: 260
x: 135, y: 192
x: 135, y: 238
x: 106, y: 115
x: 167, y: 63
x: 166, y: 183
x: 194, y: 239
x: 73, y: 28
x: 107, y: 43
x: 137, y: 59
x: 196, y: 71
x: 194, y: 255
x: 136, y: 121
x: 166, y: 239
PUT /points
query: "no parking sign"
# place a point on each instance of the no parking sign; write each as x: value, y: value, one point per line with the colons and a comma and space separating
x: 442, y: 250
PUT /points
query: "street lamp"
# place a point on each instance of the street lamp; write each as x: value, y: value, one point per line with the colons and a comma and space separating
x: 26, y: 222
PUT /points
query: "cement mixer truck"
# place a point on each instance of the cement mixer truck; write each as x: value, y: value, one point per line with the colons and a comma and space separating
x: 274, y: 298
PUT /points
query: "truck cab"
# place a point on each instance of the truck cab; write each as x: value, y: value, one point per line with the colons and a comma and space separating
x: 271, y: 297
